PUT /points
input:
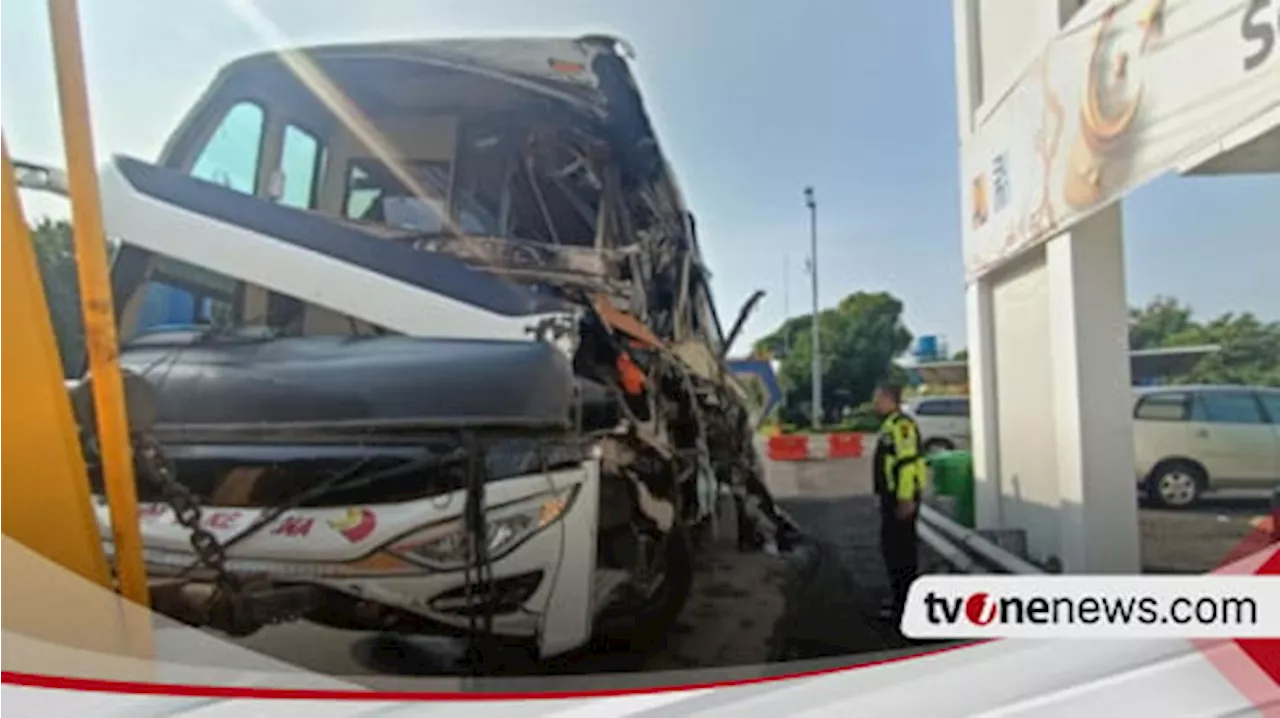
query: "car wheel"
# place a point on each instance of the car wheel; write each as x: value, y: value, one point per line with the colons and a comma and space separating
x: 937, y: 446
x: 1176, y: 485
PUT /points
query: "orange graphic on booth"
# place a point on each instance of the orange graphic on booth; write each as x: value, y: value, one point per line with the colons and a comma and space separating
x: 981, y: 208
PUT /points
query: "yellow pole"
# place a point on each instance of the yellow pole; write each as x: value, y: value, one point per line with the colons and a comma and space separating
x: 46, y: 504
x: 95, y: 297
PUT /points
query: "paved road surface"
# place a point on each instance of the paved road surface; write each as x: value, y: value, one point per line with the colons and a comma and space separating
x: 1200, y: 539
x: 826, y: 497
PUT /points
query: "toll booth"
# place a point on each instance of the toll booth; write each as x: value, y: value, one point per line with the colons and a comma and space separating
x: 1064, y: 106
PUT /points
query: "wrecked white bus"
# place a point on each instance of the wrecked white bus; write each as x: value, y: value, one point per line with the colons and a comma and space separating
x: 419, y: 338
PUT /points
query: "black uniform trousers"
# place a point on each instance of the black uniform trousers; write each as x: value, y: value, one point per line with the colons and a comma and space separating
x: 900, y: 552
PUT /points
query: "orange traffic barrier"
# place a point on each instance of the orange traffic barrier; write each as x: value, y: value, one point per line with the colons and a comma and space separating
x: 844, y: 445
x: 792, y: 447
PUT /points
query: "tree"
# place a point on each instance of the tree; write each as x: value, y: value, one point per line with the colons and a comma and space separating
x: 962, y: 355
x: 1250, y: 348
x: 785, y: 338
x: 1250, y: 352
x: 55, y: 257
x: 860, y: 337
x: 1161, y: 321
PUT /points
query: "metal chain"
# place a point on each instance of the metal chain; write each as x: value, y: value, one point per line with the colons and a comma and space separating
x: 186, y: 509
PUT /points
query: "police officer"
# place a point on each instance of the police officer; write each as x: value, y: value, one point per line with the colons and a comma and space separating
x: 899, y: 480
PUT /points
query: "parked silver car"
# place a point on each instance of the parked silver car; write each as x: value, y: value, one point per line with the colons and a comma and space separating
x: 1189, y: 440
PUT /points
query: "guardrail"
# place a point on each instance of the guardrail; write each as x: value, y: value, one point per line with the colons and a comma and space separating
x: 967, y: 550
x: 949, y: 552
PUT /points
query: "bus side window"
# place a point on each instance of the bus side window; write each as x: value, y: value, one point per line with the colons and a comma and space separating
x: 230, y: 158
x: 302, y: 160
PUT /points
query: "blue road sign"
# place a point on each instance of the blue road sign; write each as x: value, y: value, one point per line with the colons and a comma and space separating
x: 760, y: 371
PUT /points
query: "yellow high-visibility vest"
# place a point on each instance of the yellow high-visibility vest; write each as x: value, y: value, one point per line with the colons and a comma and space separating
x: 904, y: 468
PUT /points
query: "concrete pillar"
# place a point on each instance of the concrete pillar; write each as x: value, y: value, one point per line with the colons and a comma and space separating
x: 984, y: 436
x: 1093, y: 400
x: 968, y: 66
x: 983, y: 439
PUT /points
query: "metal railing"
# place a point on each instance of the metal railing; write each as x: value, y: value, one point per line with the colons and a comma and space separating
x: 948, y: 551
x: 965, y: 549
x: 968, y: 551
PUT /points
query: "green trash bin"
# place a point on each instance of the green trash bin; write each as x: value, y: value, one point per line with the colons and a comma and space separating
x: 952, y: 475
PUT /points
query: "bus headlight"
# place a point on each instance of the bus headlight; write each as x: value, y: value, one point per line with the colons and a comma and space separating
x: 445, y: 546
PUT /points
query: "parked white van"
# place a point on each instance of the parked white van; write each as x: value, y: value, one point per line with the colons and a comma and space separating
x: 1189, y: 440
x: 943, y: 421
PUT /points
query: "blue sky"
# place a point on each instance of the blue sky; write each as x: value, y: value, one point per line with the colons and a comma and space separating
x: 752, y: 100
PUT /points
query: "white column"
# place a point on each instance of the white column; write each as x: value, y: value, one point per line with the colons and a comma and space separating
x: 968, y: 65
x: 1093, y: 404
x: 984, y: 436
x: 984, y: 439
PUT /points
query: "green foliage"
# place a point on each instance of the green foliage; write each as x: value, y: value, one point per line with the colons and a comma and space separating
x: 863, y: 418
x: 1250, y: 348
x: 860, y: 337
x: 1164, y: 322
x: 55, y: 256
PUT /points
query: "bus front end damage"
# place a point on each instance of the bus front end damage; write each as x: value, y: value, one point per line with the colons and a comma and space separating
x: 475, y: 385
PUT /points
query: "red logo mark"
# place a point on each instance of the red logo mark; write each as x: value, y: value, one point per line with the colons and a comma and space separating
x: 979, y: 610
x: 223, y: 520
x: 356, y: 525
x: 294, y: 526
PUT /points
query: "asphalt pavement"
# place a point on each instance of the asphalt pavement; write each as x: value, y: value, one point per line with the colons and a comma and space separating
x: 1202, y: 538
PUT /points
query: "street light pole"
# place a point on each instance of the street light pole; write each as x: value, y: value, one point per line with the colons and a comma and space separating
x: 786, y: 303
x: 816, y: 408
